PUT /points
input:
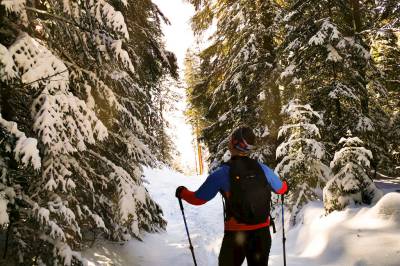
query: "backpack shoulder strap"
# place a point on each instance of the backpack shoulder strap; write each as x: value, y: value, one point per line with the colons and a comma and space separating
x: 223, y: 196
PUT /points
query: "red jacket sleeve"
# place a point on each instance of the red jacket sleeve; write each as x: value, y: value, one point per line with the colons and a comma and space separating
x: 191, y: 198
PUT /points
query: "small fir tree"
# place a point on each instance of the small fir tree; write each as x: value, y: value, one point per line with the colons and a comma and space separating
x: 301, y: 156
x: 351, y: 183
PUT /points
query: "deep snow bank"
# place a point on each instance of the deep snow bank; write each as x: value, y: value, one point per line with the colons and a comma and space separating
x: 354, y: 237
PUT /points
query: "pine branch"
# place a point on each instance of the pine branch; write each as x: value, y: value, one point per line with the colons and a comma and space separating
x: 15, y: 85
x: 63, y: 19
x: 45, y: 78
x: 57, y: 17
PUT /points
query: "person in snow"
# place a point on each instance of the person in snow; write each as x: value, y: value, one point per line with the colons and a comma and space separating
x: 246, y: 186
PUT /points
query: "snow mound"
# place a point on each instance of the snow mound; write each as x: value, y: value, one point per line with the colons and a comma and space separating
x: 354, y: 236
x: 388, y: 207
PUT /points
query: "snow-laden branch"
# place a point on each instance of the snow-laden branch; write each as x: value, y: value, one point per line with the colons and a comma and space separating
x: 25, y: 150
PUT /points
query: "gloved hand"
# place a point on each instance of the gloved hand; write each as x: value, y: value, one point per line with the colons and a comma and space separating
x: 287, y: 185
x: 179, y: 191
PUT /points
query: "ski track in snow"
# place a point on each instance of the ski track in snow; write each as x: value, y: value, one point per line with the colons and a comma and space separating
x: 340, y: 239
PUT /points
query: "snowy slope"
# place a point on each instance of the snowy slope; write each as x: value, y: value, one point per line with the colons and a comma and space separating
x: 356, y: 236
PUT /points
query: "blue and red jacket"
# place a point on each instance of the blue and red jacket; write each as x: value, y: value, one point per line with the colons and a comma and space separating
x: 219, y: 181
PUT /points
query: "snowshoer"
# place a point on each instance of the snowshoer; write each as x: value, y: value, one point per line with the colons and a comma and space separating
x: 246, y: 186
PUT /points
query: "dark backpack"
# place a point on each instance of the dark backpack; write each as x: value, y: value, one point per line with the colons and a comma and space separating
x: 250, y: 193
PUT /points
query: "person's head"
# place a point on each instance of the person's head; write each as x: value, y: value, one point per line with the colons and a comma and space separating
x: 242, y: 141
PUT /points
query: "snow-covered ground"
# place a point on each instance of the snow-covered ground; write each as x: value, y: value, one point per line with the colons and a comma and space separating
x: 356, y: 236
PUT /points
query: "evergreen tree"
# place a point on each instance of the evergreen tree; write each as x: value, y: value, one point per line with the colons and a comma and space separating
x: 326, y: 63
x: 301, y: 156
x: 385, y: 44
x: 192, y: 77
x: 395, y: 148
x: 169, y: 94
x: 236, y: 85
x: 77, y: 114
x: 351, y: 183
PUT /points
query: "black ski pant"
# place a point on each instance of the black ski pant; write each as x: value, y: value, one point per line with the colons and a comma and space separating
x: 254, y: 245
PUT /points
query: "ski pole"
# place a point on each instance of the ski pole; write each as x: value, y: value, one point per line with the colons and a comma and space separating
x: 283, y: 233
x: 187, y: 231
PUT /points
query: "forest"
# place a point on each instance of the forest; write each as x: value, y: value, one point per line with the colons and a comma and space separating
x: 85, y: 84
x: 317, y: 80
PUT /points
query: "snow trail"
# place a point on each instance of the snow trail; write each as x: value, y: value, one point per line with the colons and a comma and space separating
x: 205, y: 225
x: 354, y: 237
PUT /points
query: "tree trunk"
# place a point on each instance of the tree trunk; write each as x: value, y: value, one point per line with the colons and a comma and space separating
x: 357, y: 24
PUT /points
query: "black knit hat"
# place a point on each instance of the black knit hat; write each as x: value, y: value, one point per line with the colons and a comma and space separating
x: 243, y: 139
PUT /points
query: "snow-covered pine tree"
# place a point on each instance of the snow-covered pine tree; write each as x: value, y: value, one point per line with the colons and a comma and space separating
x: 170, y: 92
x: 395, y: 144
x: 351, y: 183
x: 301, y: 156
x: 152, y: 63
x: 236, y: 70
x: 327, y: 62
x: 75, y: 82
x: 385, y: 44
